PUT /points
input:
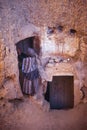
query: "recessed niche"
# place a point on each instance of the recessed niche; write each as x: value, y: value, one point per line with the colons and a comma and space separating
x: 50, y: 30
x: 60, y: 92
x: 72, y: 31
x: 22, y: 47
x: 60, y: 28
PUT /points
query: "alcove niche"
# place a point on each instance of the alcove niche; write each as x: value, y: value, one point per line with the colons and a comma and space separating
x: 21, y: 47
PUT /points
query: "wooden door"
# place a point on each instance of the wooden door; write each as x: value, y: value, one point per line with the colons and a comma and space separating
x: 62, y: 92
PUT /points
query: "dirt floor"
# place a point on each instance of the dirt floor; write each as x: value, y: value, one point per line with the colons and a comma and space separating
x: 27, y: 115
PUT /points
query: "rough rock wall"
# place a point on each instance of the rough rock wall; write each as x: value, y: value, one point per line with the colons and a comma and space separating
x: 20, y: 19
x: 2, y: 66
x: 60, y: 43
x: 16, y: 15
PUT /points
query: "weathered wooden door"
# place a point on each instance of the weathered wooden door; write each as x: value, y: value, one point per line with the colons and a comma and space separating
x: 62, y: 92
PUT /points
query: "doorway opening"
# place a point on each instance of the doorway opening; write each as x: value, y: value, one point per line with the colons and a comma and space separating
x: 22, y: 47
x: 60, y: 92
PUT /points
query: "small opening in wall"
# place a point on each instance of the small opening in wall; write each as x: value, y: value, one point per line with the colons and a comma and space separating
x: 60, y: 28
x: 60, y: 92
x: 22, y: 47
x: 72, y: 31
x: 50, y: 30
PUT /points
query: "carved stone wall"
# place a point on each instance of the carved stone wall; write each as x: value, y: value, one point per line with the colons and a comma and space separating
x: 20, y: 19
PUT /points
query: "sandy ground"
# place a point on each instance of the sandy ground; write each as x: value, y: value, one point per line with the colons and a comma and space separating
x: 27, y: 115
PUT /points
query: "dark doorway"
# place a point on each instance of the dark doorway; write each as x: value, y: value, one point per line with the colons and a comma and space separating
x: 22, y: 46
x: 60, y: 92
